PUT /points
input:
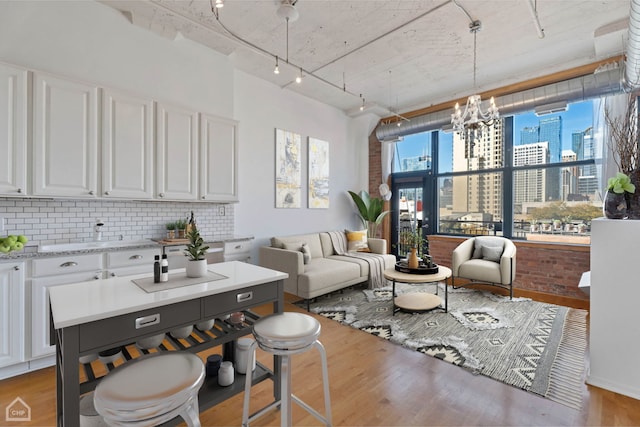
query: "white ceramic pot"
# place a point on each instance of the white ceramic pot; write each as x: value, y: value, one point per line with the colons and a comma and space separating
x: 182, y: 332
x: 150, y: 342
x: 197, y: 268
x: 205, y: 325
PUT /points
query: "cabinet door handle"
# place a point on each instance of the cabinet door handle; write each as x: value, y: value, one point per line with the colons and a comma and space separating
x: 17, y: 267
x: 69, y: 264
x: 161, y: 194
x: 143, y: 322
x: 106, y: 193
x: 135, y: 257
x: 239, y: 247
x: 19, y: 190
x: 91, y: 192
x: 96, y: 277
x: 246, y: 296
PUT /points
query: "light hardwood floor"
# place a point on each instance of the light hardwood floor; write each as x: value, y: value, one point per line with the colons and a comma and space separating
x: 376, y: 383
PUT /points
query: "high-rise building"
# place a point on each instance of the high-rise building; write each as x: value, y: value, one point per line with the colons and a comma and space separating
x: 416, y: 163
x: 569, y: 174
x: 529, y: 185
x: 480, y: 193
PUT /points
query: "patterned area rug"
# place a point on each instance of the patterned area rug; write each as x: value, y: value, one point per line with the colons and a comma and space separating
x: 534, y: 346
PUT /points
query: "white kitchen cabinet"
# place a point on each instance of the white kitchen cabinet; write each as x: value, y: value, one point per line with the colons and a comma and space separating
x: 177, y: 153
x: 13, y: 130
x: 65, y: 137
x: 56, y: 271
x: 129, y: 262
x: 237, y: 250
x: 12, y: 318
x: 218, y: 159
x: 127, y: 146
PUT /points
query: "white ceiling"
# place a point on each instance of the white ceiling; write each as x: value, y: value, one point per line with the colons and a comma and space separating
x: 399, y: 54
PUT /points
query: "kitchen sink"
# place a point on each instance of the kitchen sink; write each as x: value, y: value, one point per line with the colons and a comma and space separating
x: 101, y: 244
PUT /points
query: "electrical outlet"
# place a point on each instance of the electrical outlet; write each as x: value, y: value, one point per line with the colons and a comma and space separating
x: 221, y: 210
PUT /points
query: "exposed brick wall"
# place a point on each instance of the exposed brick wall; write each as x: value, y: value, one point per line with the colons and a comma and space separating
x: 375, y: 164
x: 542, y: 268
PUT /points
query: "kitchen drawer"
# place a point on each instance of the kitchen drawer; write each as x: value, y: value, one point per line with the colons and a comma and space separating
x: 94, y: 335
x: 132, y: 257
x: 237, y: 247
x: 228, y: 302
x: 67, y: 264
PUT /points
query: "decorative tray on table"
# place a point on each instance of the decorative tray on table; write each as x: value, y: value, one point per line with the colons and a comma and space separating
x: 403, y: 267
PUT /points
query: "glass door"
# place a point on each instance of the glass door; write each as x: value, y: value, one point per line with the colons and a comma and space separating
x: 407, y: 211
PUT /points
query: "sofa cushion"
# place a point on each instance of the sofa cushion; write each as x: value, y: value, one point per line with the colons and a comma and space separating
x: 323, y: 272
x: 357, y: 241
x: 389, y: 262
x: 313, y: 240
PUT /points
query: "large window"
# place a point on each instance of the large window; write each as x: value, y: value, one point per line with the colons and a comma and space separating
x: 526, y: 177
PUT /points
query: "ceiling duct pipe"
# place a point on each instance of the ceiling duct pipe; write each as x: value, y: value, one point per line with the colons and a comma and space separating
x: 632, y: 64
x: 607, y: 81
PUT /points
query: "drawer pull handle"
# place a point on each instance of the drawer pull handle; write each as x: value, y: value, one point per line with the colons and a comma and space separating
x: 143, y: 322
x: 135, y: 257
x: 173, y: 250
x: 239, y: 247
x: 69, y: 264
x: 246, y: 296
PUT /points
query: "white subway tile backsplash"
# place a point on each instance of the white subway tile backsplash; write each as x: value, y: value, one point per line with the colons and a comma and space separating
x: 67, y: 221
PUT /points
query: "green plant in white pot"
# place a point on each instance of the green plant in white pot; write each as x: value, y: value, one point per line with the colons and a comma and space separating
x: 196, y: 252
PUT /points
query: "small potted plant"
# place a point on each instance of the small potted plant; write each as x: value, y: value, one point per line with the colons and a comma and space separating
x: 196, y: 251
x: 171, y: 230
x: 181, y: 226
x: 615, y: 201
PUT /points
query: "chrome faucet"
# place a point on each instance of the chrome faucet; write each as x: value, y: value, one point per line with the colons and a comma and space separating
x: 97, y: 230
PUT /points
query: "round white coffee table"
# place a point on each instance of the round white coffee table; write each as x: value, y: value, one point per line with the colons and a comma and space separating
x: 419, y: 301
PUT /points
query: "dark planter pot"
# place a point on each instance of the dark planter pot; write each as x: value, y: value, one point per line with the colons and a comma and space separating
x: 633, y: 199
x: 615, y: 205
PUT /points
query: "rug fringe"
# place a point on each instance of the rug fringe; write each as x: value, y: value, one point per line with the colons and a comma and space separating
x: 568, y: 369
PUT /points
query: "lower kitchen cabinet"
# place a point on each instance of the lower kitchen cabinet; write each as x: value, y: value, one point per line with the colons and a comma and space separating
x: 12, y: 318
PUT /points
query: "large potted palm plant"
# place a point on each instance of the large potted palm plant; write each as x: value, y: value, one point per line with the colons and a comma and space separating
x: 196, y: 252
x: 370, y: 210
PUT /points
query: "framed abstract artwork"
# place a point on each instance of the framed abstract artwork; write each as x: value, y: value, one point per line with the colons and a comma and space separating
x: 288, y: 169
x: 318, y: 174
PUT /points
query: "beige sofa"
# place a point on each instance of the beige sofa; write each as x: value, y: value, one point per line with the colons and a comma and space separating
x: 326, y: 271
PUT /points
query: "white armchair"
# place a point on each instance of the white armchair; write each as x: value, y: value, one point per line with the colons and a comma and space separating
x: 485, y: 259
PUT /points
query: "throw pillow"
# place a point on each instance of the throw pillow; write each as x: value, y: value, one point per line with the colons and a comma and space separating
x: 299, y: 247
x: 357, y: 241
x: 306, y: 253
x: 477, y: 250
x: 492, y: 253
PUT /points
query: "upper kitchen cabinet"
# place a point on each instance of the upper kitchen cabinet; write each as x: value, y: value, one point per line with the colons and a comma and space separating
x: 13, y: 130
x: 177, y: 153
x: 127, y: 146
x: 218, y: 159
x: 65, y: 139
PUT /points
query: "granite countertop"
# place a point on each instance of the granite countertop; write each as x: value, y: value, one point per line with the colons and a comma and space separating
x: 32, y: 252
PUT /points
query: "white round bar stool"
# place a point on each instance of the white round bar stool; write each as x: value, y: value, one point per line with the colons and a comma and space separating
x: 151, y: 390
x: 286, y: 334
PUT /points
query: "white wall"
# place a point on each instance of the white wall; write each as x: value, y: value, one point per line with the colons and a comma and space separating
x: 261, y: 108
x: 93, y: 42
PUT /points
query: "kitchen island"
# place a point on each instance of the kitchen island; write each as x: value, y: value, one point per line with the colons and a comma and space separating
x: 98, y: 315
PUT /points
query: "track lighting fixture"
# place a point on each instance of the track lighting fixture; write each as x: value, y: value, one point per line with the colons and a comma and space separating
x: 219, y: 3
x: 276, y: 70
x: 362, y: 106
x: 299, y: 77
